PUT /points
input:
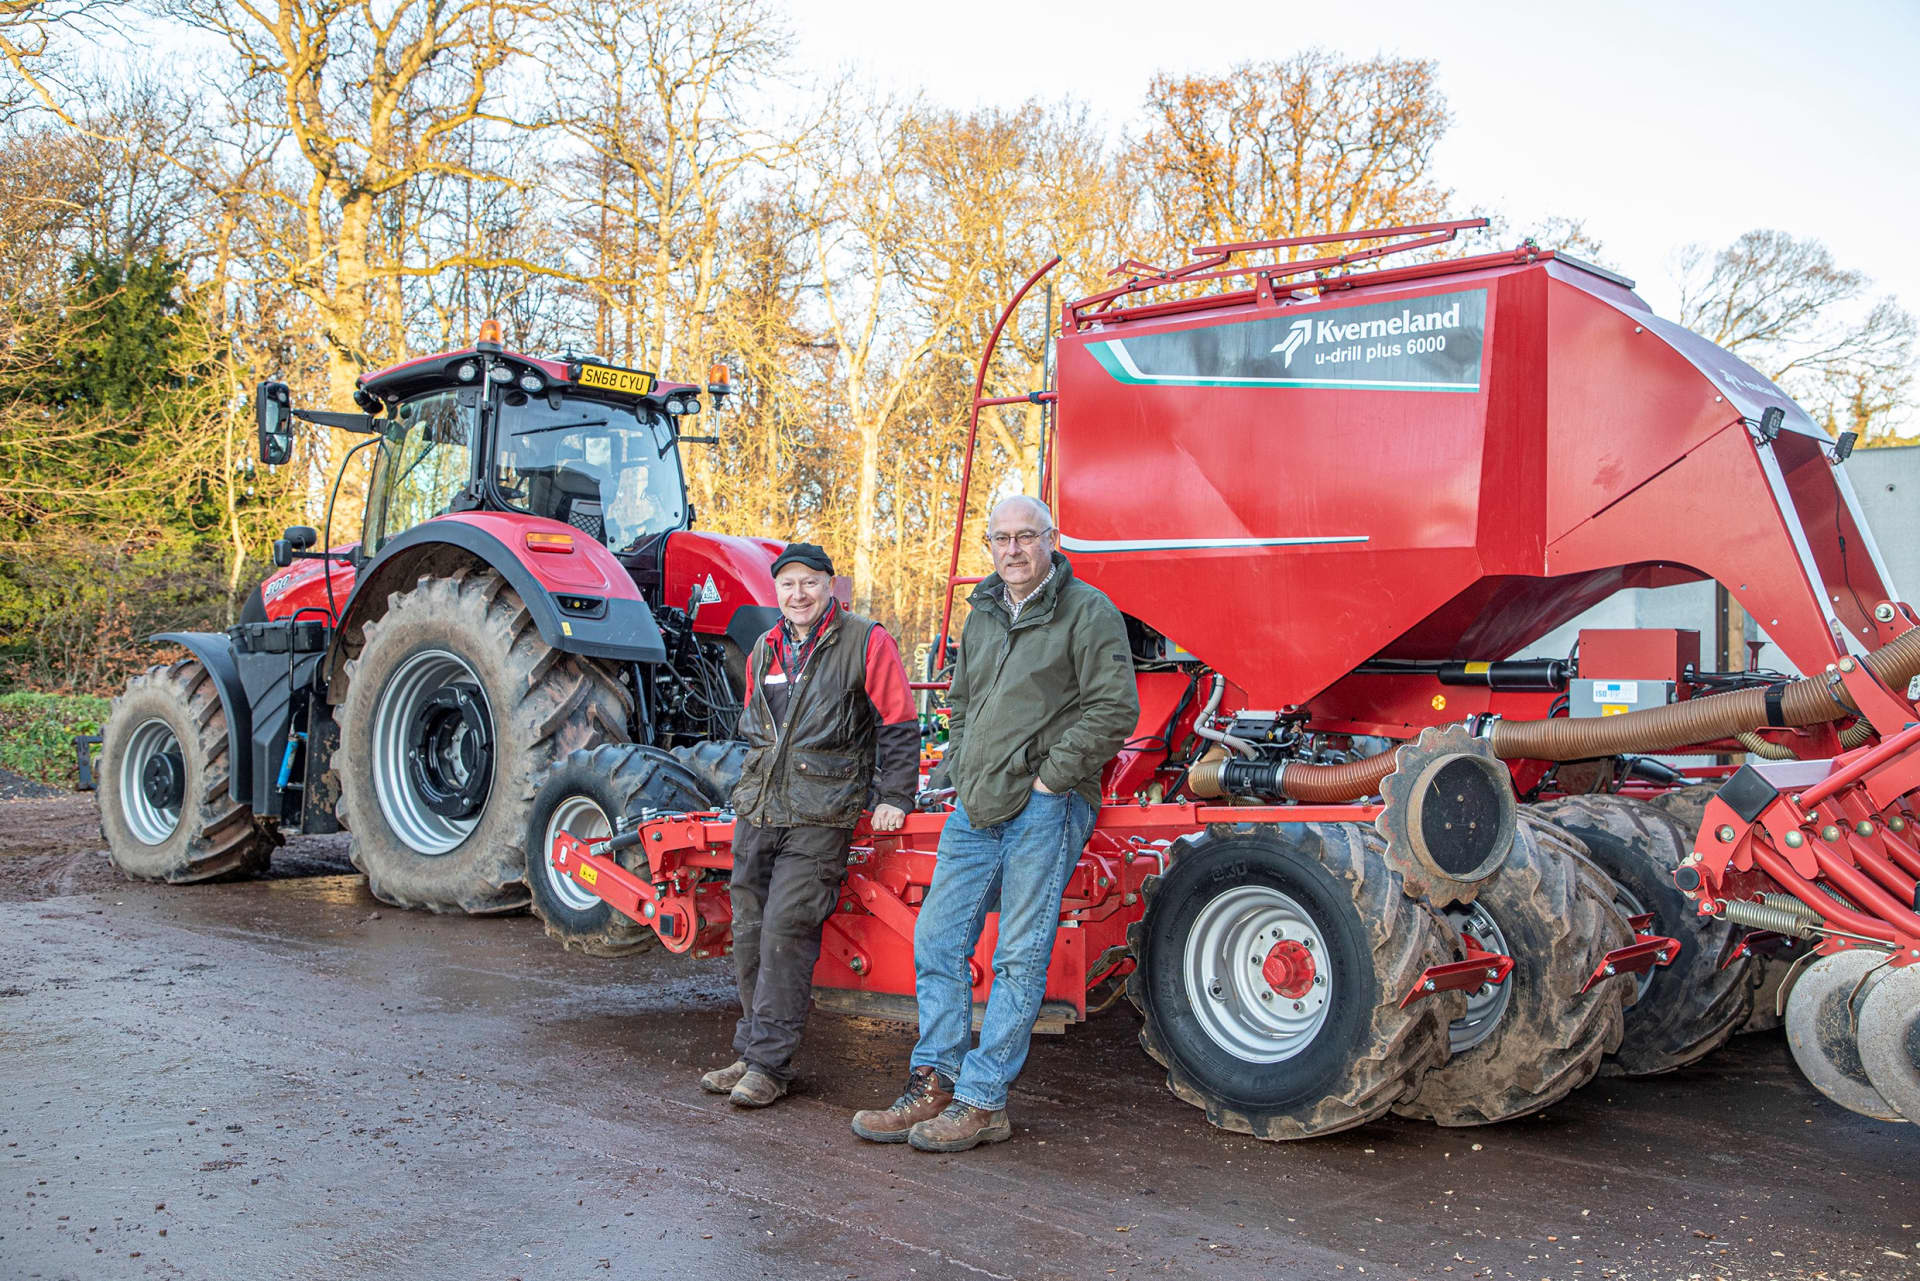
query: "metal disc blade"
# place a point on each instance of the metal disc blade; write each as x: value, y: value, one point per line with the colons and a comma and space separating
x: 1890, y: 1039
x: 1820, y: 1030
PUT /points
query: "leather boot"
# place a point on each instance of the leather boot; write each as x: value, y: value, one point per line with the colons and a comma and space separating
x: 959, y: 1127
x: 926, y: 1093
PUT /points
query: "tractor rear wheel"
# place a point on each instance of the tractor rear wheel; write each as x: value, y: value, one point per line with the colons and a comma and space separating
x: 1534, y: 1039
x: 586, y: 796
x: 1271, y: 963
x: 716, y: 763
x: 164, y: 774
x: 1686, y: 1009
x: 454, y: 710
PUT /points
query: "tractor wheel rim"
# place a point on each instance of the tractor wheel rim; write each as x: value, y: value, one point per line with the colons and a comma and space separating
x: 408, y: 696
x: 1225, y: 968
x: 581, y: 817
x: 151, y: 822
x: 1486, y: 1004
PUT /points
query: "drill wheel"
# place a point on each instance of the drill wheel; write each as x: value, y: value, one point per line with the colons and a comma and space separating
x: 1889, y: 1039
x: 1822, y: 1014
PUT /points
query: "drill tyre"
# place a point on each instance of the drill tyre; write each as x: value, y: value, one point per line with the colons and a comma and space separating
x: 1690, y: 1008
x: 716, y: 763
x: 1688, y: 805
x: 173, y: 711
x: 582, y: 794
x: 1363, y: 1054
x: 469, y: 630
x: 1556, y: 919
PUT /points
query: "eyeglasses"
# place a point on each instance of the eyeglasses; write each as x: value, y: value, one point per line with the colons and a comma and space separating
x: 1026, y: 538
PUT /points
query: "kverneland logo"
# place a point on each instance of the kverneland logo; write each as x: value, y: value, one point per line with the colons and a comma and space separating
x: 1302, y: 329
x: 1408, y: 321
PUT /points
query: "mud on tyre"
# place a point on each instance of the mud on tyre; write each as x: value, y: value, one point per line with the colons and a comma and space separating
x: 587, y: 795
x: 454, y: 710
x: 164, y: 775
x: 1536, y: 1038
x: 1271, y: 965
x: 1686, y: 1009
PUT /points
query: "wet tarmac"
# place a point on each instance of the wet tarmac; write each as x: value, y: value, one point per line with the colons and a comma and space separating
x: 284, y: 1078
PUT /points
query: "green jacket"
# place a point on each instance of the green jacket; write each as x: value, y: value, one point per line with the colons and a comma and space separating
x: 1050, y: 697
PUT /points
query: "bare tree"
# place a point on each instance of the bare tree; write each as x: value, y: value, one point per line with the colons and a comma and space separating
x: 1277, y: 149
x: 1785, y: 306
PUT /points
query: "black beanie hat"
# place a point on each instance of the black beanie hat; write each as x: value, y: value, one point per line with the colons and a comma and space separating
x: 812, y: 555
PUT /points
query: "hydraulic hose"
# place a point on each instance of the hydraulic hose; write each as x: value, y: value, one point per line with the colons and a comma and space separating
x: 1807, y: 701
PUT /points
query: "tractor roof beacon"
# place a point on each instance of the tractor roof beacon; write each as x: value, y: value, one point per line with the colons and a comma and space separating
x: 1357, y: 857
x: 524, y: 584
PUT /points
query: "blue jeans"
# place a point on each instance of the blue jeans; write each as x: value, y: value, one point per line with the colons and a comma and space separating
x: 1025, y: 863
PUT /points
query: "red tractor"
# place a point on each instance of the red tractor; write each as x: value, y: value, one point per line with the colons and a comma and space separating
x: 1358, y: 857
x: 525, y: 585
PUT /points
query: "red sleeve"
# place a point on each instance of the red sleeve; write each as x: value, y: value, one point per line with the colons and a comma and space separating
x: 887, y: 681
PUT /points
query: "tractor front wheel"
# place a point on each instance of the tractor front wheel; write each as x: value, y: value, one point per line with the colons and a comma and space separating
x: 455, y: 708
x: 164, y: 775
x: 1272, y: 962
x: 585, y: 796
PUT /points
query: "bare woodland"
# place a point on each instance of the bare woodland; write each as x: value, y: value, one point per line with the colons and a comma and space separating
x: 306, y: 189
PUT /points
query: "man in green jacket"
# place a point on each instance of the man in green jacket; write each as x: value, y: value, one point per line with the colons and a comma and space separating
x: 1043, y: 696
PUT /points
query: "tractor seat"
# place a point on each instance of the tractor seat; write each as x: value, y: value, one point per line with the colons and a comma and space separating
x: 569, y: 495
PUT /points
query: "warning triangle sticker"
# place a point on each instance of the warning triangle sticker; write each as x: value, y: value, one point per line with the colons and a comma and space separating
x: 709, y: 594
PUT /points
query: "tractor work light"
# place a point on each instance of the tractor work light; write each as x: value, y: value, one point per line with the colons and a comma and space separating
x: 500, y: 374
x: 676, y: 406
x: 531, y: 383
x: 1843, y: 447
x: 467, y: 372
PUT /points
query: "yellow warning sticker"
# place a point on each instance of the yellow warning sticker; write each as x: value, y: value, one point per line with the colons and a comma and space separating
x: 566, y: 628
x: 589, y: 874
x: 1478, y: 669
x: 1614, y: 709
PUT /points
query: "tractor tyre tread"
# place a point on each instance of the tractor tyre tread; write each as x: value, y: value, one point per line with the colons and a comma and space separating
x: 1398, y: 1047
x: 545, y: 704
x: 1691, y: 1007
x: 1558, y: 917
x: 716, y: 763
x: 217, y: 836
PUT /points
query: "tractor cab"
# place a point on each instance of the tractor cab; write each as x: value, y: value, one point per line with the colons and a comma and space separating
x: 586, y: 444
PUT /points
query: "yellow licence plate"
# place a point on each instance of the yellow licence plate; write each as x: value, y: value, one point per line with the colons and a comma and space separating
x: 632, y: 382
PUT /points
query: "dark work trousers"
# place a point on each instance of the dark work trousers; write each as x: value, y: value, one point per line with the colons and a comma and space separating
x: 786, y: 881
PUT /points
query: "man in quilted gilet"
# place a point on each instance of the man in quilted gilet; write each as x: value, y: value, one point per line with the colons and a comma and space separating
x: 828, y: 721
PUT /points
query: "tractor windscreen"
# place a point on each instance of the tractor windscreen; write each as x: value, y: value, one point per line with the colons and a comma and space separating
x: 609, y: 470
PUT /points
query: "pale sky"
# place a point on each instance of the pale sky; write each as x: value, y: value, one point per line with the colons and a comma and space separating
x: 1657, y: 123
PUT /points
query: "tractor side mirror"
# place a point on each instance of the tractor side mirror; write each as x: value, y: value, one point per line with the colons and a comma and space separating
x: 297, y: 539
x: 273, y: 421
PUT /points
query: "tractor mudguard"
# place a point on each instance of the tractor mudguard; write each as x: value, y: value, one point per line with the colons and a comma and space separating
x: 618, y: 625
x: 215, y: 653
x: 749, y: 623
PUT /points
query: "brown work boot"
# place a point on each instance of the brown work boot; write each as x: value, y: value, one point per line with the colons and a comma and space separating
x: 960, y: 1127
x: 926, y: 1093
x: 722, y: 1080
x: 755, y: 1090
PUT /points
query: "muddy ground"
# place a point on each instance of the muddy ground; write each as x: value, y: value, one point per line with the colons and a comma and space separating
x: 284, y: 1078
